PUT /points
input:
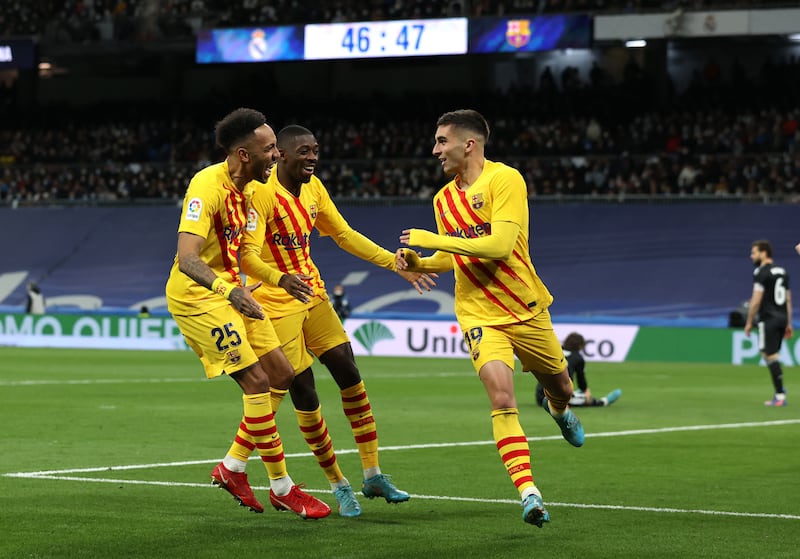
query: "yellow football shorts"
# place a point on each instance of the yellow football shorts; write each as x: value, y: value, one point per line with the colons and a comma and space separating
x: 219, y: 338
x: 261, y: 335
x: 317, y: 330
x: 534, y: 342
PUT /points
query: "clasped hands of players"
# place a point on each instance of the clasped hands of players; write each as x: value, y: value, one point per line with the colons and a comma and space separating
x: 406, y: 258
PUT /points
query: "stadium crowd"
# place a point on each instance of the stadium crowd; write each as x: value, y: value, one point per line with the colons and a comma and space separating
x: 82, y: 21
x: 568, y: 135
x: 610, y: 140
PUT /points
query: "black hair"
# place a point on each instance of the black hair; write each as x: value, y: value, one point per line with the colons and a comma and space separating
x: 763, y: 246
x: 236, y: 126
x: 574, y: 342
x: 467, y: 119
x: 290, y: 133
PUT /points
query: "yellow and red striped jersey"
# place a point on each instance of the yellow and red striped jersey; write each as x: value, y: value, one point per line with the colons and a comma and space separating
x: 279, y: 232
x: 216, y: 210
x: 491, y: 292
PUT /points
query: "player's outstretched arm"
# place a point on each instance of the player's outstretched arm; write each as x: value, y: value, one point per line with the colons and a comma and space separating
x: 361, y: 246
x: 497, y: 245
x: 408, y: 260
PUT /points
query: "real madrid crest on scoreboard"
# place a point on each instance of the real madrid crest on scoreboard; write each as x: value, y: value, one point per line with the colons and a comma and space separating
x: 258, y: 45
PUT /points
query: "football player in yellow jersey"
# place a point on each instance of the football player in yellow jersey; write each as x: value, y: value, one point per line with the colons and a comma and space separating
x: 500, y: 302
x: 276, y: 250
x: 206, y: 297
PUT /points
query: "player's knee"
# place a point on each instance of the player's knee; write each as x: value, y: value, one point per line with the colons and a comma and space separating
x: 252, y: 380
x: 342, y: 366
x: 278, y: 369
x: 304, y: 392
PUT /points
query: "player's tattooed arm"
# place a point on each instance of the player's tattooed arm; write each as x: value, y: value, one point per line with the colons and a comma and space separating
x: 194, y: 267
x: 189, y: 261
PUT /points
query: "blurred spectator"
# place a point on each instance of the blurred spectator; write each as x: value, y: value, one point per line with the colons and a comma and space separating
x: 340, y: 302
x: 35, y: 303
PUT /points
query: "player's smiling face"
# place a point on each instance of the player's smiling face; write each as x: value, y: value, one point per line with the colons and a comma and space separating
x: 300, y: 159
x: 449, y: 149
x: 263, y: 153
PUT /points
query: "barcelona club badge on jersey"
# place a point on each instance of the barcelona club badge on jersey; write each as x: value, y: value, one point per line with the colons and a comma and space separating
x: 477, y: 201
x: 234, y: 356
x: 312, y: 209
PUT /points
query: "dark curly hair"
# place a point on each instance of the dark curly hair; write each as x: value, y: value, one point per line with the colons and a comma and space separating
x: 236, y: 126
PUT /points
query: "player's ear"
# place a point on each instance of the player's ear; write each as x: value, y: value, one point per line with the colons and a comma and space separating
x: 243, y: 154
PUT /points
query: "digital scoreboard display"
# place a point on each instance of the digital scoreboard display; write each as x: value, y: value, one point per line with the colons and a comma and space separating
x: 394, y: 39
x: 381, y: 39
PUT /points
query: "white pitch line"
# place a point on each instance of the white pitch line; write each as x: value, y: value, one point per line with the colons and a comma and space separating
x: 452, y: 498
x: 631, y: 432
x: 320, y: 377
x: 96, y: 381
x: 60, y: 474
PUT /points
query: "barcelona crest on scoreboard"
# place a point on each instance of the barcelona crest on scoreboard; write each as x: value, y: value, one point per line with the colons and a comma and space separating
x: 518, y: 32
x: 530, y: 33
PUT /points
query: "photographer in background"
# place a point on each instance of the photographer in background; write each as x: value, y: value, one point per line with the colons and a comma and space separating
x: 340, y: 302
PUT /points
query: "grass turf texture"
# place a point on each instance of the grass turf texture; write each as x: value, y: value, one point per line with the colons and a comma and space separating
x: 622, y: 495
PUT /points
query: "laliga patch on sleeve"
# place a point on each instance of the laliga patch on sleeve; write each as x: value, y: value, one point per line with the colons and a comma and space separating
x: 193, y: 209
x: 252, y: 220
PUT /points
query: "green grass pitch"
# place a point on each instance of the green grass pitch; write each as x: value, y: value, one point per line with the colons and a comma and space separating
x: 107, y: 454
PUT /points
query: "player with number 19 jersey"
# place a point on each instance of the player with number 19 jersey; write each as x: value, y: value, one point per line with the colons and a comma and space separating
x: 491, y: 292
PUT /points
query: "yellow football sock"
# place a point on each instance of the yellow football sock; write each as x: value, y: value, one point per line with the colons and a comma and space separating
x: 315, y: 432
x: 276, y: 396
x: 355, y: 404
x: 259, y: 421
x: 513, y: 447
